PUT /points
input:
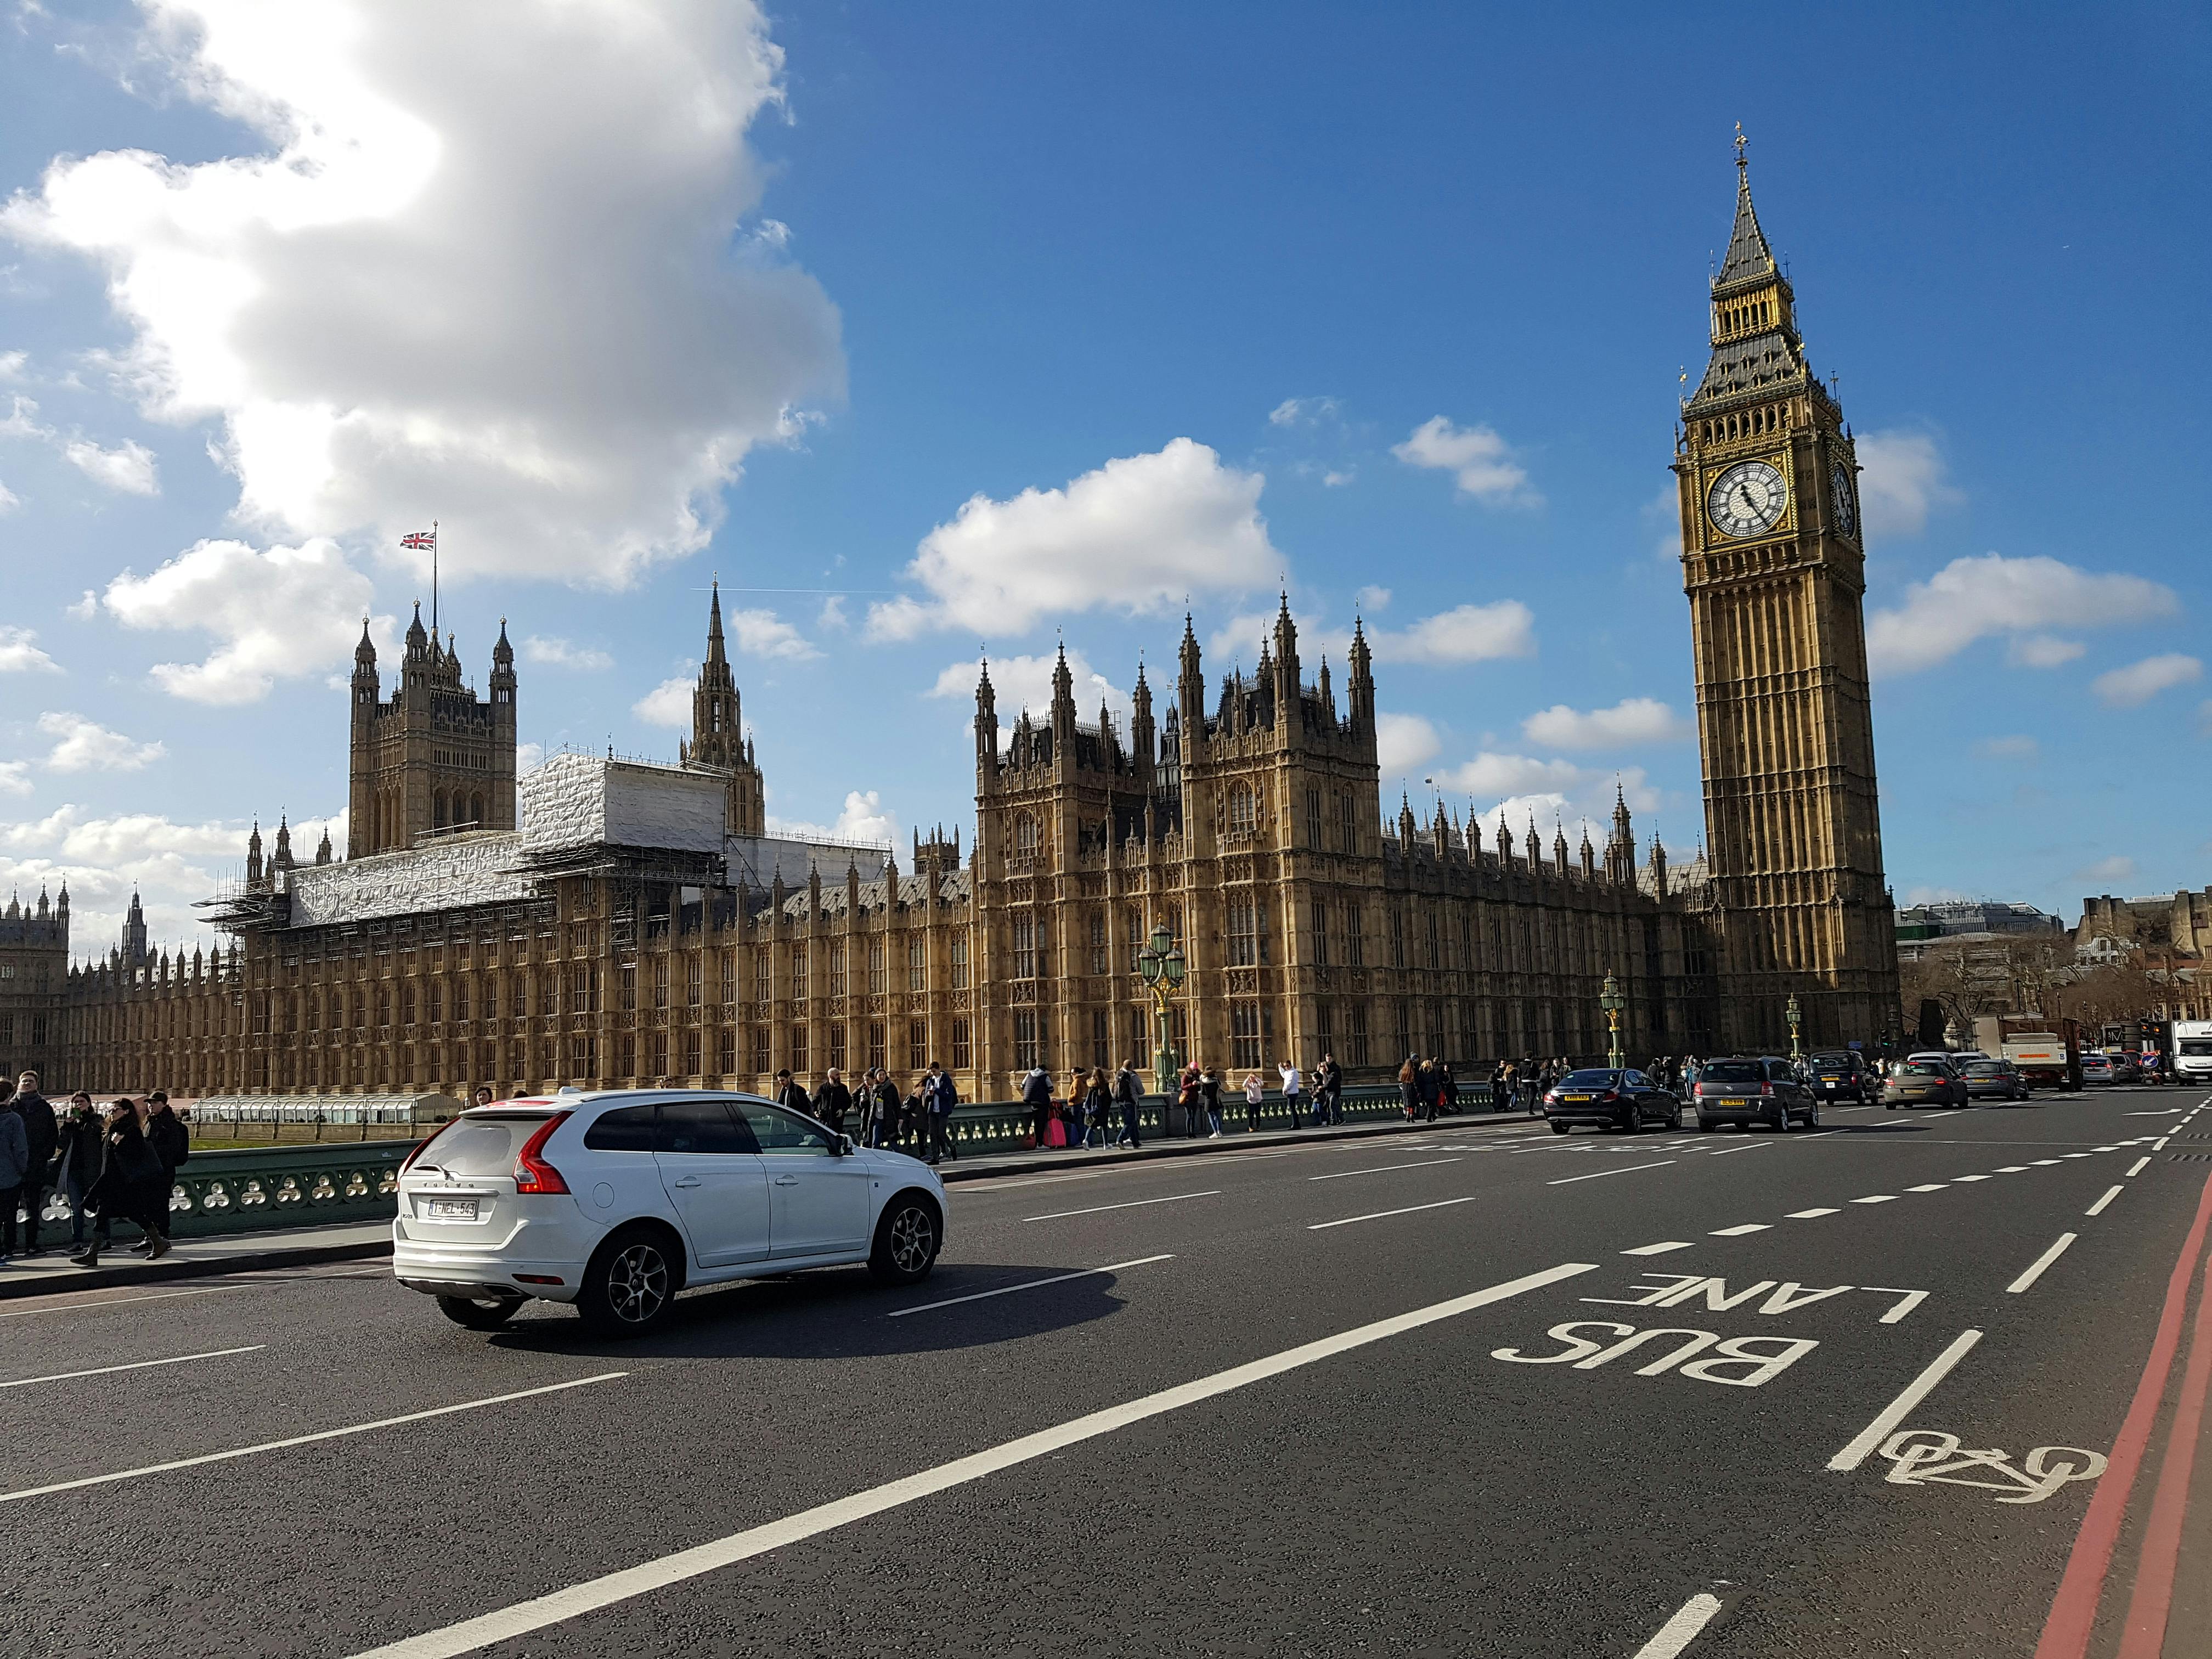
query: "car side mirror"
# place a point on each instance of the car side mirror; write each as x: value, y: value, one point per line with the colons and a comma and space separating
x: 844, y: 1145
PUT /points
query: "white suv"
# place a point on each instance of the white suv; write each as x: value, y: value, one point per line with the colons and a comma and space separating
x: 616, y: 1200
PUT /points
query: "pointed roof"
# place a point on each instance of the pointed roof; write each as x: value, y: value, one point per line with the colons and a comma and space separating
x: 714, y: 652
x: 1749, y: 255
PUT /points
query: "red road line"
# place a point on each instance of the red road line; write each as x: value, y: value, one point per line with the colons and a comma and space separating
x: 2144, y: 1633
x: 2074, y: 1609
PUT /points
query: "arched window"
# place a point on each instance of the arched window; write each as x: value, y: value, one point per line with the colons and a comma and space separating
x: 1025, y: 841
x: 438, y: 810
x: 1242, y: 811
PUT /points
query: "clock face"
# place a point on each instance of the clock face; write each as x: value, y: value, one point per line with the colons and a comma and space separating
x: 1746, y: 499
x: 1847, y: 503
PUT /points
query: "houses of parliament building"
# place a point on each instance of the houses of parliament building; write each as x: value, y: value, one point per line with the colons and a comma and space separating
x: 601, y: 921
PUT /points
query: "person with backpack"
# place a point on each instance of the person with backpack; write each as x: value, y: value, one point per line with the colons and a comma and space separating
x: 1098, y: 1107
x: 1127, y: 1093
x: 129, y: 1186
x: 172, y: 1143
x: 1037, y: 1100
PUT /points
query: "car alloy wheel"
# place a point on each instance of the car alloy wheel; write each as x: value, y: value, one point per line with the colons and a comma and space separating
x: 637, y: 1283
x: 907, y: 1238
x: 912, y: 1240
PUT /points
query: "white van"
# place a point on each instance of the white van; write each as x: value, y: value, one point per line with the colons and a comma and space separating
x: 2192, y: 1050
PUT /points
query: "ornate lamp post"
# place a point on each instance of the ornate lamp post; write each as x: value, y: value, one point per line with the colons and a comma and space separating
x: 1160, y: 965
x: 1613, y: 1002
x: 1795, y: 1015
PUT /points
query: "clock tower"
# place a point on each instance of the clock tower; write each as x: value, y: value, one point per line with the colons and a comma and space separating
x: 1775, y: 571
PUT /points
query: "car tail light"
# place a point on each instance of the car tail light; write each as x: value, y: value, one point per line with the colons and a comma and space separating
x: 1608, y: 1096
x: 1766, y: 1088
x: 532, y: 1173
x: 1697, y: 1089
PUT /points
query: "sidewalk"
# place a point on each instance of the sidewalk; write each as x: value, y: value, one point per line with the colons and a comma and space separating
x: 53, y: 1274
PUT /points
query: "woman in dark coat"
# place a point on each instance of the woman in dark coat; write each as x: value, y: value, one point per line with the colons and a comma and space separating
x: 81, y: 1144
x: 1409, y: 1089
x: 130, y: 1184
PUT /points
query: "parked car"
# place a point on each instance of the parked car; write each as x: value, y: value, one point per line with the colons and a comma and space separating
x: 2126, y: 1067
x: 2096, y: 1067
x: 1839, y: 1074
x: 1994, y: 1079
x: 1747, y: 1090
x: 1610, y: 1100
x: 616, y: 1199
x: 1929, y: 1080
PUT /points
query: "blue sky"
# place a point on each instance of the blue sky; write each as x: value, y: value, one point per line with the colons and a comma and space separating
x: 934, y: 328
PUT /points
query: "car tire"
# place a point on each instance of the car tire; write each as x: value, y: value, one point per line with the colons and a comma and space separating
x: 1813, y: 1117
x: 1674, y: 1120
x: 1705, y: 1125
x: 909, y: 1235
x: 1782, y: 1124
x: 1560, y: 1128
x: 631, y: 1280
x: 1631, y: 1124
x: 479, y: 1315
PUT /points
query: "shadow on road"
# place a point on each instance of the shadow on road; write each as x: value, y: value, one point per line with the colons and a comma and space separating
x: 839, y: 1314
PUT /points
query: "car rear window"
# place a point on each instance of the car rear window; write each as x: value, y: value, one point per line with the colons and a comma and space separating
x: 1733, y: 1071
x: 625, y: 1129
x: 472, y: 1147
x: 1985, y: 1068
x: 1588, y: 1079
x: 1920, y: 1068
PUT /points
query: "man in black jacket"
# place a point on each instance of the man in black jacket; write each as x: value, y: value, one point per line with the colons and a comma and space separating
x: 790, y: 1092
x: 39, y: 1129
x: 1128, y: 1093
x: 171, y: 1142
x: 832, y: 1101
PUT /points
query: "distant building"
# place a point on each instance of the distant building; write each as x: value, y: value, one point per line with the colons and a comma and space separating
x: 1920, y: 925
x: 2179, y: 923
x: 33, y: 980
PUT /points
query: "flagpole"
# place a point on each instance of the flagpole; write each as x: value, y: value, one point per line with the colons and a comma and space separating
x: 433, y: 578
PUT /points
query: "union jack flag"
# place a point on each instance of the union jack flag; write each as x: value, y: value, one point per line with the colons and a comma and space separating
x: 420, y: 539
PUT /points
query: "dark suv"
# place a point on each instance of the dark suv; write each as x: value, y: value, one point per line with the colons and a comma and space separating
x: 1747, y: 1090
x: 1841, y: 1074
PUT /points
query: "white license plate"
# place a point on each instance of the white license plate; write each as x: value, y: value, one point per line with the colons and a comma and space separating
x: 452, y: 1209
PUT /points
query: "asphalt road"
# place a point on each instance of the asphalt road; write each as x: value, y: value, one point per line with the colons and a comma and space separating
x: 1478, y: 1391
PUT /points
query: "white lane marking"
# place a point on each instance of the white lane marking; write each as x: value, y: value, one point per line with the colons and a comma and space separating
x: 1384, y: 1215
x: 2046, y: 1163
x: 120, y: 1301
x: 1030, y: 1285
x: 1878, y: 1198
x: 1971, y: 1177
x: 2035, y: 1268
x: 2014, y: 1168
x: 1910, y: 1300
x: 1677, y: 1632
x: 1738, y: 1233
x: 1384, y: 1169
x: 2159, y: 1146
x: 984, y: 1190
x: 593, y: 1594
x: 1661, y: 1249
x: 1929, y: 1186
x: 1895, y: 1412
x: 304, y: 1439
x: 2098, y: 1208
x: 142, y: 1365
x: 1807, y: 1215
x: 2107, y: 1149
x: 2138, y: 1167
x: 1748, y: 1146
x: 1596, y: 1174
x: 1133, y: 1204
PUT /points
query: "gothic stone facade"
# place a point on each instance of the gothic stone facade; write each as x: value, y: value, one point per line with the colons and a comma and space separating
x: 669, y: 940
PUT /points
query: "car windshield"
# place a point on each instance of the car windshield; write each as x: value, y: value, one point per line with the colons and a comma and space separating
x: 1589, y: 1080
x: 1985, y: 1069
x: 471, y: 1147
x: 1920, y: 1068
x: 1733, y: 1071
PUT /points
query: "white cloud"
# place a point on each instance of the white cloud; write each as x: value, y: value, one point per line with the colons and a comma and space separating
x: 465, y: 257
x: 2017, y: 747
x: 1404, y: 744
x: 1492, y: 775
x: 2119, y: 868
x: 1480, y: 461
x: 1546, y: 789
x: 85, y: 609
x: 669, y: 703
x: 285, y: 613
x: 864, y: 817
x: 1630, y: 721
x: 1025, y: 683
x: 1465, y: 633
x: 1299, y: 411
x: 1970, y: 599
x: 1140, y: 533
x: 20, y: 422
x: 1372, y: 598
x: 9, y: 499
x: 2139, y: 682
x: 83, y: 745
x: 14, y: 777
x: 1337, y: 480
x: 19, y: 652
x: 557, y: 653
x: 1902, y: 478
x: 11, y: 365
x: 130, y: 469
x: 2042, y: 651
x: 764, y: 634
x: 833, y: 617
x: 528, y: 757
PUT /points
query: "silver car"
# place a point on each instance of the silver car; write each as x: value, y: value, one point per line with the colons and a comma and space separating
x: 1994, y: 1079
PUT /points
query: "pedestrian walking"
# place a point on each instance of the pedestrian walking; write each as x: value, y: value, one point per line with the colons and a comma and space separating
x: 1127, y: 1093
x: 1328, y: 1089
x: 129, y: 1187
x: 172, y: 1143
x: 1293, y: 1084
x: 1255, y: 1092
x: 1447, y: 1089
x: 1186, y: 1097
x: 832, y: 1100
x: 15, y: 1170
x: 890, y: 1108
x: 1036, y: 1099
x: 77, y: 1159
x: 38, y: 1130
x: 1209, y: 1098
x: 1098, y: 1106
x: 1409, y: 1089
x: 1501, y: 1085
x: 940, y: 1094
x: 1425, y: 1085
x: 791, y: 1093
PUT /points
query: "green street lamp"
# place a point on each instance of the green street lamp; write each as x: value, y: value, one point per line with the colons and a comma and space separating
x: 1160, y: 965
x: 1613, y: 1002
x: 1795, y: 1016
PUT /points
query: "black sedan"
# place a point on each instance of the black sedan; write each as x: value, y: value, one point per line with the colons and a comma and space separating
x: 1994, y: 1079
x: 1610, y: 1100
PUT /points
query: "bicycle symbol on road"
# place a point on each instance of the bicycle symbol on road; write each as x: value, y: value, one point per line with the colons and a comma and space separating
x: 1924, y: 1456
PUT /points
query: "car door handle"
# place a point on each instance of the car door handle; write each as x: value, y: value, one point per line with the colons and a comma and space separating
x: 786, y: 1181
x: 689, y: 1180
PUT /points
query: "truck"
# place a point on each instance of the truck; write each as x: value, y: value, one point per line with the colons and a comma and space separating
x: 2046, y: 1052
x: 2192, y: 1050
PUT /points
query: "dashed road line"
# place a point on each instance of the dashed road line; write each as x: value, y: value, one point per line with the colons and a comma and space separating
x: 1971, y: 1177
x: 2138, y: 1167
x: 1133, y: 1204
x: 138, y: 1365
x: 1682, y: 1629
x: 1895, y: 1412
x: 1877, y: 1198
x: 1929, y: 1186
x: 1030, y: 1285
x: 1384, y: 1215
x: 2035, y: 1268
x: 1661, y: 1249
x: 2098, y: 1208
x: 1384, y: 1169
x: 1807, y: 1215
x: 1596, y: 1175
x: 1738, y: 1233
